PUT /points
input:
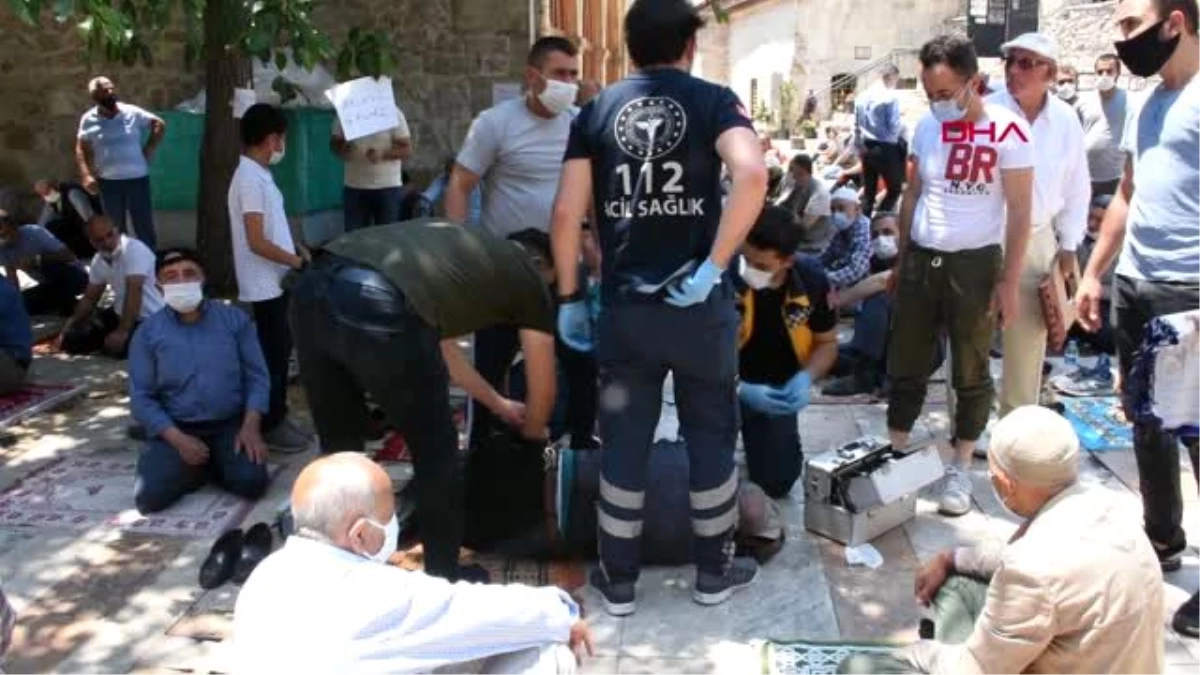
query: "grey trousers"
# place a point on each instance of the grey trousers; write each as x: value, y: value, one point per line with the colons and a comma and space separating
x: 955, y: 608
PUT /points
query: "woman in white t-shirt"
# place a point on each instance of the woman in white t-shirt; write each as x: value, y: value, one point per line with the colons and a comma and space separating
x: 967, y: 201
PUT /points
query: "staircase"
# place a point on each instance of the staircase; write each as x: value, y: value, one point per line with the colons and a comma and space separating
x: 892, y: 57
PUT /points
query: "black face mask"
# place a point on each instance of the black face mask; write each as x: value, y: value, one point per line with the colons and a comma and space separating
x: 109, y: 101
x: 1145, y: 54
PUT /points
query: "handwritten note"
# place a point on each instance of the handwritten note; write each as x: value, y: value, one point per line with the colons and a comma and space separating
x: 364, y: 106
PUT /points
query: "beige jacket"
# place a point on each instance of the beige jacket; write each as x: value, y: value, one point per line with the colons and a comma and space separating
x: 1080, y: 591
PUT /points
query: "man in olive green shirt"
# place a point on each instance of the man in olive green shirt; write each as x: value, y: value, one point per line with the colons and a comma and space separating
x: 378, y: 312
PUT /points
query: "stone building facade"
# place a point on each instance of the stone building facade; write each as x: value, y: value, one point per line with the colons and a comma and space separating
x: 450, y: 53
x: 831, y: 48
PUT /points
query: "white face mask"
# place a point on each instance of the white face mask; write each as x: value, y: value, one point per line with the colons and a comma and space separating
x: 52, y: 197
x: 391, y: 539
x: 558, y: 97
x: 841, y: 220
x: 277, y: 156
x: 183, y: 297
x: 755, y: 278
x: 1106, y: 82
x: 1066, y: 91
x: 885, y: 247
x: 948, y: 111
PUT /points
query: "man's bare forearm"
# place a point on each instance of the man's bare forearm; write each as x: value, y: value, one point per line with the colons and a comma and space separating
x: 566, y: 242
x: 132, y: 308
x: 83, y: 159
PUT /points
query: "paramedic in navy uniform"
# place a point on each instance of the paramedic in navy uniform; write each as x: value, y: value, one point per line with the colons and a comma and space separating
x: 648, y: 150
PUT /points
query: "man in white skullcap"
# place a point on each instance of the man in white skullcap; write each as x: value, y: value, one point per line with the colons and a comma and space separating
x: 847, y: 256
x: 1076, y: 590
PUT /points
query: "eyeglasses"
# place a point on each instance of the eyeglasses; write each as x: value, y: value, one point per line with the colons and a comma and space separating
x: 1027, y: 63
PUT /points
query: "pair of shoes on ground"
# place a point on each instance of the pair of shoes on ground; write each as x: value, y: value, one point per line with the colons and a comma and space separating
x: 620, y: 597
x: 235, y: 555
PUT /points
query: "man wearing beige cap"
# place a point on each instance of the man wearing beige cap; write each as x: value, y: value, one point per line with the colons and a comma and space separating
x: 1061, y: 192
x: 1076, y: 590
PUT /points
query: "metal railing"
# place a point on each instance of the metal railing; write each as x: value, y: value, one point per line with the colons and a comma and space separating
x: 892, y: 57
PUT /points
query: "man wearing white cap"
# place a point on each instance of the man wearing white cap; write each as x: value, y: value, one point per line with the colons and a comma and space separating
x: 1061, y: 192
x: 847, y: 256
x: 1076, y: 590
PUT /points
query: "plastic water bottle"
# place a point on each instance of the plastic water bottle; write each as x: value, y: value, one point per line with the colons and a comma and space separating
x: 1071, y: 354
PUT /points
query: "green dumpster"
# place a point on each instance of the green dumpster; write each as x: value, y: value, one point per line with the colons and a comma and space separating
x: 310, y: 177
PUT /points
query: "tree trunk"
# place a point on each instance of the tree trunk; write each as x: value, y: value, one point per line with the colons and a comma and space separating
x: 224, y: 70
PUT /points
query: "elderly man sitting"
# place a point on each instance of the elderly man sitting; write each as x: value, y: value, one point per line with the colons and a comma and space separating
x: 1076, y: 590
x: 327, y: 602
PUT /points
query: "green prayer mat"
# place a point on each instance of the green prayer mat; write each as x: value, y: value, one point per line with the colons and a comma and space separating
x: 801, y: 657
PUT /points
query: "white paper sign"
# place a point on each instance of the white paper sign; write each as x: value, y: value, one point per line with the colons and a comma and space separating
x: 503, y: 91
x: 364, y: 106
x: 242, y: 100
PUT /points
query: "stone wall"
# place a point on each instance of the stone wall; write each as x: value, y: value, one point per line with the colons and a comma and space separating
x: 43, y: 81
x: 450, y: 53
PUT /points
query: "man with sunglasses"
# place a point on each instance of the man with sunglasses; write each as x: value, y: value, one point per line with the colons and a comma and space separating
x: 970, y: 191
x: 1152, y: 225
x: 1061, y: 191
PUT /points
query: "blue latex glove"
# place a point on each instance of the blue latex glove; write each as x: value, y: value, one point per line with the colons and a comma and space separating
x: 575, y: 326
x: 794, y: 394
x: 760, y: 398
x: 695, y: 289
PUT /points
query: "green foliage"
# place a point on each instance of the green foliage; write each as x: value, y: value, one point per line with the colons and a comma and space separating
x: 719, y: 11
x: 762, y: 113
x: 123, y: 30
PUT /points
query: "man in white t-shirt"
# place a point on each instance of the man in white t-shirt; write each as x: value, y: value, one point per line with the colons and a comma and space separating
x: 263, y: 252
x: 1061, y: 191
x: 970, y: 193
x: 127, y: 265
x: 372, y: 195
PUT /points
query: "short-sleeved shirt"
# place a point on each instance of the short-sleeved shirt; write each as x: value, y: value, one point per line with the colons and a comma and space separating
x: 458, y: 279
x: 131, y: 259
x: 1162, y: 235
x: 31, y: 240
x: 253, y: 190
x: 1103, y: 126
x: 117, y: 141
x: 962, y: 205
x: 651, y: 140
x: 360, y: 173
x: 519, y: 156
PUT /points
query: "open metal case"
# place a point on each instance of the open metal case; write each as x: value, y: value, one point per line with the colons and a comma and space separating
x: 859, y: 490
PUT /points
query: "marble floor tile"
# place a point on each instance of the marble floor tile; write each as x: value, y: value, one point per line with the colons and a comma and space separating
x: 874, y: 604
x: 606, y: 629
x: 788, y: 600
x: 635, y: 666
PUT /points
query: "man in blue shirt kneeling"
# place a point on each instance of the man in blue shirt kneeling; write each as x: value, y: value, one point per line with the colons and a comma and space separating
x: 198, y: 384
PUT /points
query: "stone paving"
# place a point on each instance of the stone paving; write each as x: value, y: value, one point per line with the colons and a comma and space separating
x: 102, y: 601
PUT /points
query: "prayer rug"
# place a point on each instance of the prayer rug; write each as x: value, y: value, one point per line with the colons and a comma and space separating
x: 86, y: 492
x: 1099, y: 422
x: 568, y: 575
x: 802, y: 657
x: 35, y: 398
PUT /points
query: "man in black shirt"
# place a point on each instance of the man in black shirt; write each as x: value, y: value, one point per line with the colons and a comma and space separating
x: 646, y: 155
x: 787, y: 341
x: 377, y: 313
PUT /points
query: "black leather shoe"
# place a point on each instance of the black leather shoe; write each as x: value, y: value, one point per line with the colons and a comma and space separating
x: 1187, y: 617
x: 256, y: 545
x: 222, y: 559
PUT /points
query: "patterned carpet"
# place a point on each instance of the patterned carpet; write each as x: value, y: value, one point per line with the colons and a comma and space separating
x: 801, y: 657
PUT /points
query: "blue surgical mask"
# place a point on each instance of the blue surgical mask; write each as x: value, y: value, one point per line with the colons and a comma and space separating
x: 949, y: 110
x: 840, y: 220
